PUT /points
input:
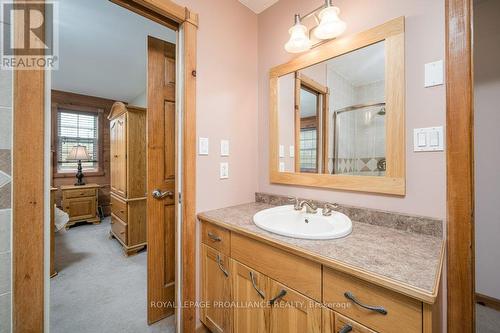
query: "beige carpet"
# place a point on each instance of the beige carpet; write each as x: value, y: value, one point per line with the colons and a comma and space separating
x: 487, y: 320
x: 98, y: 289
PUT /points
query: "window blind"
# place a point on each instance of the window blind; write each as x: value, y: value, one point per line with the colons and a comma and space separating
x: 76, y: 128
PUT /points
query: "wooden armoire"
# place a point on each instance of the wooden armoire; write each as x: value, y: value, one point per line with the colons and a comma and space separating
x: 128, y: 176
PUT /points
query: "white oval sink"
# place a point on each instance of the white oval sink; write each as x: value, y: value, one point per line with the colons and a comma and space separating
x: 286, y: 221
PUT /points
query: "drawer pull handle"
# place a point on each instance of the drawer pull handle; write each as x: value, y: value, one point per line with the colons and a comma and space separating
x: 214, y: 237
x: 347, y: 328
x: 252, y: 278
x: 219, y: 262
x: 281, y: 294
x: 378, y: 309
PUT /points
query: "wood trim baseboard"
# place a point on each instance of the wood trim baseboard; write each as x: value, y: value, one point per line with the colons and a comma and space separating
x: 488, y: 301
x: 460, y: 166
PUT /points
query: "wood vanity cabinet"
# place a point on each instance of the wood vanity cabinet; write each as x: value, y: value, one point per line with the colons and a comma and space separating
x: 215, y: 290
x: 272, y: 291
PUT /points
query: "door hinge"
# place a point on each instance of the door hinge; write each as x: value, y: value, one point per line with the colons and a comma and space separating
x: 180, y: 197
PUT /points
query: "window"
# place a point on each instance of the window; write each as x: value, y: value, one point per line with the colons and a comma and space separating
x: 77, y: 128
x: 308, y: 149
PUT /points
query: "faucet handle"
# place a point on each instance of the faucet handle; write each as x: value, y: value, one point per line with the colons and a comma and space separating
x: 296, y: 203
x: 328, y: 209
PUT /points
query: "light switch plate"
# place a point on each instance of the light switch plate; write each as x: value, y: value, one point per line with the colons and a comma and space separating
x: 224, y: 147
x: 282, y: 151
x: 282, y: 167
x: 292, y: 151
x: 224, y: 170
x: 434, y: 74
x: 428, y: 139
x: 203, y: 146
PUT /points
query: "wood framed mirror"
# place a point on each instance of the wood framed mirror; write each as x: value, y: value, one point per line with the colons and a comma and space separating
x: 337, y: 114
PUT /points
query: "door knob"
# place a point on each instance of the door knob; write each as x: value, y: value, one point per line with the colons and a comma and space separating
x: 158, y: 194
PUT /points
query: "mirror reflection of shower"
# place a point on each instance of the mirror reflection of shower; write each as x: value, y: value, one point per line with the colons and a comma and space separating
x: 360, y: 140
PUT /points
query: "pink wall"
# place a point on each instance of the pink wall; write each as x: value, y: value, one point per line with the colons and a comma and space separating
x: 425, y: 37
x: 226, y: 101
x: 486, y: 149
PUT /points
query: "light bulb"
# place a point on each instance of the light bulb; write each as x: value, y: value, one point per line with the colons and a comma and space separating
x: 330, y: 25
x: 299, y: 41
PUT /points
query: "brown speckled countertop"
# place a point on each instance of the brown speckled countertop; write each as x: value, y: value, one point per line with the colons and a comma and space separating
x: 400, y: 260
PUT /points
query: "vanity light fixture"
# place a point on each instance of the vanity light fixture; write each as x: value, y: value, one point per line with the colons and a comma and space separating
x: 328, y: 26
x: 299, y: 41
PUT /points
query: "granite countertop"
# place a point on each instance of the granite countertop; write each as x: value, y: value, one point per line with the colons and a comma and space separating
x: 404, y: 261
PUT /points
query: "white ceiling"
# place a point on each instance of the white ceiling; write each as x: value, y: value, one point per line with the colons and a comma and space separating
x: 363, y: 66
x: 103, y: 49
x: 258, y: 6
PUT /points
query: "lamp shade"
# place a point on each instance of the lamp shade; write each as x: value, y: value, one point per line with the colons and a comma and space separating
x: 299, y: 41
x: 330, y: 25
x: 78, y: 153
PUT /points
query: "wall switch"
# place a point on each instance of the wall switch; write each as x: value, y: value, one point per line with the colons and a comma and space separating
x: 428, y: 139
x: 282, y: 167
x: 224, y: 147
x: 224, y: 170
x: 282, y: 151
x: 292, y: 151
x: 434, y: 74
x: 203, y: 146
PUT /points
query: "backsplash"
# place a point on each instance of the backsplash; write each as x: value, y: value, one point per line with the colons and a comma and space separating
x: 417, y: 224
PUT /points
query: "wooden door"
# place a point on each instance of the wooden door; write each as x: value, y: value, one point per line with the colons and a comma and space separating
x: 161, y: 170
x: 292, y: 312
x: 81, y: 208
x: 215, y: 290
x: 249, y: 292
x: 118, y: 142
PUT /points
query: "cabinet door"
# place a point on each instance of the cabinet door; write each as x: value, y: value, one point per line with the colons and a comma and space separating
x: 292, y: 312
x: 215, y: 290
x: 118, y: 143
x: 249, y: 297
x: 80, y: 208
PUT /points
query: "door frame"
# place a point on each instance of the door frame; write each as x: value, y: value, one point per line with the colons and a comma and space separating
x: 460, y: 165
x: 28, y: 186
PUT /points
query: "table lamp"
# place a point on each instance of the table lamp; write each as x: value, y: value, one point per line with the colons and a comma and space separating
x: 78, y: 153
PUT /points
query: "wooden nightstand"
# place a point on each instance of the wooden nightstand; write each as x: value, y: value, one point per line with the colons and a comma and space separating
x: 80, y: 202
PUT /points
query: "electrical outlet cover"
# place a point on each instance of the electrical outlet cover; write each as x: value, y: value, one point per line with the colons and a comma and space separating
x: 224, y: 170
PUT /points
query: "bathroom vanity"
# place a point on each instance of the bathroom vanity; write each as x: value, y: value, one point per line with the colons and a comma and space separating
x: 377, y: 279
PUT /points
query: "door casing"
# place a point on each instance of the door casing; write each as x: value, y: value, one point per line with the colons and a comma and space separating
x: 28, y: 185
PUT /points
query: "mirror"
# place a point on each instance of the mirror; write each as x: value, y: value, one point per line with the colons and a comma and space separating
x: 332, y: 115
x: 338, y: 112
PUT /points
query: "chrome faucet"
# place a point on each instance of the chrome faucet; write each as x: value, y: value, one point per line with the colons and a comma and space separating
x: 299, y: 204
x: 310, y: 207
x: 328, y: 209
x: 296, y: 203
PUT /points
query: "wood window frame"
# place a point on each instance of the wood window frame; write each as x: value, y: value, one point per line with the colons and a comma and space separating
x: 460, y: 166
x: 394, y: 181
x: 28, y: 184
x: 55, y: 145
x: 323, y: 93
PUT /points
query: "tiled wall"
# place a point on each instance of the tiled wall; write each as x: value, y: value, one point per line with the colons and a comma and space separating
x: 5, y: 199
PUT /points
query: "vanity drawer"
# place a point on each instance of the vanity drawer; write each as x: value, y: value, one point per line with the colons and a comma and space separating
x: 216, y: 237
x: 119, y: 228
x: 342, y: 322
x: 293, y: 271
x: 119, y: 208
x: 404, y: 314
x: 79, y: 193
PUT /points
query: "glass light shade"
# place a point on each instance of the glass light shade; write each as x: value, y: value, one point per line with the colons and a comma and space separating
x: 78, y: 153
x: 330, y: 25
x: 299, y: 41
